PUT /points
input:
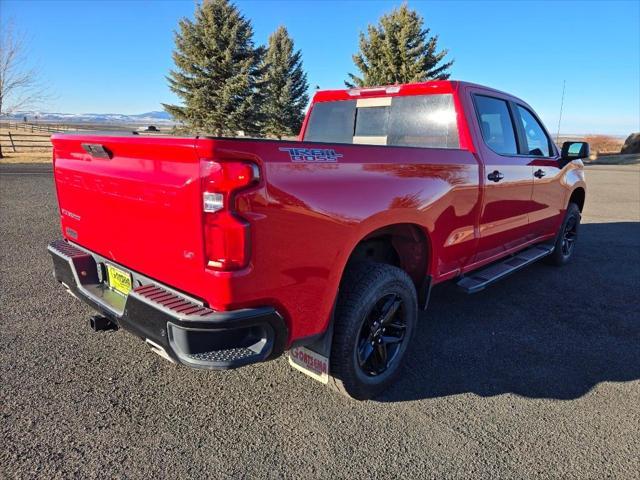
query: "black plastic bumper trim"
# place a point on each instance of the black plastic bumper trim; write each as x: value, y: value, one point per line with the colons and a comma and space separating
x: 188, y: 331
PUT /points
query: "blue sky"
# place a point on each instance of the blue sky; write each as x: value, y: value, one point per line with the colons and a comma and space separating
x: 112, y: 56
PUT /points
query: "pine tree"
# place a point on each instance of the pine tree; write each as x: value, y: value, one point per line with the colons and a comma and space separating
x: 284, y: 87
x: 398, y: 50
x: 217, y: 71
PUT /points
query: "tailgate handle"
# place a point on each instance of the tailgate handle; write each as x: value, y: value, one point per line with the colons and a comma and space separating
x: 96, y: 150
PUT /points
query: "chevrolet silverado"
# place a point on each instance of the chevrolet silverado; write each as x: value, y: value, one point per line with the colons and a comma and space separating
x: 224, y: 252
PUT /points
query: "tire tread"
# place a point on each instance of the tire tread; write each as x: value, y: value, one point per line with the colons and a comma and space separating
x: 359, y: 278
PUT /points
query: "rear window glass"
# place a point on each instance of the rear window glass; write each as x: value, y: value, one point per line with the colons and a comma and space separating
x: 372, y: 121
x: 331, y: 122
x: 413, y: 121
x: 424, y: 121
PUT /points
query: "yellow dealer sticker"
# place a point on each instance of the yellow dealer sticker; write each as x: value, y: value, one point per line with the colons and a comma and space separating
x: 119, y: 280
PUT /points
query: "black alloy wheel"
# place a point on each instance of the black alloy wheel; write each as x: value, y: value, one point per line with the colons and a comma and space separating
x: 565, y: 243
x: 381, y: 336
x: 374, y: 320
x: 569, y: 236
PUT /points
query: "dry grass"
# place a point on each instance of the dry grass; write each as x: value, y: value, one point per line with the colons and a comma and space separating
x: 23, y: 133
x: 24, y: 155
x: 599, y: 144
x: 602, y: 144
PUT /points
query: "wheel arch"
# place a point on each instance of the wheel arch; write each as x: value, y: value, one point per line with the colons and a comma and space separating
x: 403, y: 245
x: 578, y: 196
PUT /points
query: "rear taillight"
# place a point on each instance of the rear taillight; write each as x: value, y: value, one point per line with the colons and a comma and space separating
x: 226, y: 234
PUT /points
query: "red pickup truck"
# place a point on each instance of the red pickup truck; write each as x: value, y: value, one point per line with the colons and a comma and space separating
x: 222, y: 252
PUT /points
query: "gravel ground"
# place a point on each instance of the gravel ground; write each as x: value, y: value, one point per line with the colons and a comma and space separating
x: 538, y: 376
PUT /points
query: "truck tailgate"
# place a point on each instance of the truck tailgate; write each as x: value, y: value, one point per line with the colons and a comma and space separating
x: 133, y: 200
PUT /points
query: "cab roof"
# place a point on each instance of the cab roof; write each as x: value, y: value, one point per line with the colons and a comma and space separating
x: 399, y: 90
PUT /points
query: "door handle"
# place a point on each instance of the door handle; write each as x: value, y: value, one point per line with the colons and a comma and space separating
x: 539, y: 173
x: 495, y: 176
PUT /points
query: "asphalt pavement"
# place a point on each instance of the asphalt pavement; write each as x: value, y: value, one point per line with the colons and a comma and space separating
x: 537, y: 376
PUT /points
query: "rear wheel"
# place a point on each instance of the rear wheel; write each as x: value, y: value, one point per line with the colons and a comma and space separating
x: 374, y: 321
x: 567, y: 237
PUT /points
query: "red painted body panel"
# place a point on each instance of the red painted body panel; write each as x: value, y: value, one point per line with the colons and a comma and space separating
x: 143, y: 209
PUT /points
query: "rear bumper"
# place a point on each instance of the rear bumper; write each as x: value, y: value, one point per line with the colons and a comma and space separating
x: 176, y: 326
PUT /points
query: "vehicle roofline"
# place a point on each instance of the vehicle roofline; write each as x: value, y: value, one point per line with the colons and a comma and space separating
x: 454, y: 86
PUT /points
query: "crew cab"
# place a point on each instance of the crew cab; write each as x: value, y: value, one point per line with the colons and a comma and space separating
x: 223, y: 252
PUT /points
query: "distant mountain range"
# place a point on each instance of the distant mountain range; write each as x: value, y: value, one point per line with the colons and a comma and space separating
x: 51, y: 117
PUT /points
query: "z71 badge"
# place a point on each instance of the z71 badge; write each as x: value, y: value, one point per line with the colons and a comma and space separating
x: 315, y: 155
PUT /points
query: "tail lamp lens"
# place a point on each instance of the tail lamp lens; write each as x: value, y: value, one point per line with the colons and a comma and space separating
x: 227, y: 241
x: 227, y: 235
x: 226, y: 177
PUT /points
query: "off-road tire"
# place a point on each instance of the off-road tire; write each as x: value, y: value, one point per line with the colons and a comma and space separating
x: 364, y: 285
x: 562, y: 256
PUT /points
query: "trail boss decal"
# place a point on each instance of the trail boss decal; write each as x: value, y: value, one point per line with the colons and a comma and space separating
x: 313, y: 155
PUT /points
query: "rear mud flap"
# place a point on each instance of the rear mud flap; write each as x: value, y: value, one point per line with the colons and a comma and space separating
x: 311, y: 363
x: 313, y: 359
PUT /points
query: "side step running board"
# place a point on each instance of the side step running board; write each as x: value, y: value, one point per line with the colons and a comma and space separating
x: 479, y: 279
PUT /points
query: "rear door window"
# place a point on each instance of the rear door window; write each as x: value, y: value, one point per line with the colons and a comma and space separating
x: 496, y: 125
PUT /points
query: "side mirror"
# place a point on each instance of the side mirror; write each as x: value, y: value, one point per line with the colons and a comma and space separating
x: 574, y: 151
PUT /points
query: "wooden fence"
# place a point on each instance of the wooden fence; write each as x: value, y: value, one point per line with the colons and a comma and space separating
x: 19, y: 137
x: 26, y: 137
x: 15, y: 142
x: 36, y: 127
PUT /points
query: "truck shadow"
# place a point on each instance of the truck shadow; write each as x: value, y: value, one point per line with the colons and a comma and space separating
x: 545, y: 332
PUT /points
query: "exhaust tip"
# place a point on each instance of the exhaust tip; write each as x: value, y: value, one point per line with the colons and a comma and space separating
x: 98, y: 323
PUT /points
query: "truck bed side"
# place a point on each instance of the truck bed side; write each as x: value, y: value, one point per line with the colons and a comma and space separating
x: 142, y: 208
x: 307, y: 217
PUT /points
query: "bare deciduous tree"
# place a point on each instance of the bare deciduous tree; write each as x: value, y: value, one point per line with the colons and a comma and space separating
x: 20, y: 85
